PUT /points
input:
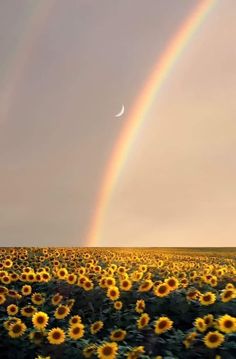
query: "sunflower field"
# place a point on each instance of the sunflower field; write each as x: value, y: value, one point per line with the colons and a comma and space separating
x: 112, y: 303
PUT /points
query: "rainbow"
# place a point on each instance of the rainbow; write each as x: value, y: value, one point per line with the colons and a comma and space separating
x: 139, y: 114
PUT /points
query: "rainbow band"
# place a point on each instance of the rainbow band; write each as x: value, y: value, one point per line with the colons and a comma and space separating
x: 139, y: 114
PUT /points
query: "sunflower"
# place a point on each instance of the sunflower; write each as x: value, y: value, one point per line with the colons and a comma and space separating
x: 26, y: 289
x: 143, y: 321
x: 75, y: 320
x: 228, y: 295
x: 17, y: 329
x: 140, y: 306
x: 190, y: 338
x: 40, y: 320
x: 28, y: 311
x: 87, y: 285
x: 62, y: 311
x: 145, y: 286
x: 37, y: 298
x: 12, y: 309
x: 110, y: 281
x: 76, y: 331
x: 71, y: 278
x: 118, y: 305
x: 118, y: 335
x: 62, y: 273
x: 2, y: 298
x: 207, y: 298
x: 10, y: 321
x: 172, y: 283
x: 162, y: 325
x: 56, y: 299
x: 107, y: 351
x: 113, y: 293
x: 208, y: 319
x: 162, y: 290
x: 136, y: 352
x: 125, y: 285
x: 89, y: 350
x: 56, y: 336
x: 213, y: 339
x: 200, y: 325
x: 96, y: 327
x: 227, y: 324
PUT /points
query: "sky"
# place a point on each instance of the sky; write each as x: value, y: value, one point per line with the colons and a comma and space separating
x: 66, y: 68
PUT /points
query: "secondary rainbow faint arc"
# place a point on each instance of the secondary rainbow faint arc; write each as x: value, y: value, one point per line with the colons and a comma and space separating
x: 139, y: 114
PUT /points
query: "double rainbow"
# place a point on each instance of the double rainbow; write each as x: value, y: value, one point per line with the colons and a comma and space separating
x: 139, y: 114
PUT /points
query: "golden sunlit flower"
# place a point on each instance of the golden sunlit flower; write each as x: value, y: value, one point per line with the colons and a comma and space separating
x: 107, y: 351
x: 227, y: 324
x: 76, y: 331
x: 56, y: 299
x: 62, y: 311
x: 118, y: 335
x: 207, y: 298
x: 172, y: 283
x: 213, y: 339
x: 200, y: 325
x: 136, y: 352
x: 28, y: 311
x: 140, y: 306
x: 37, y: 298
x: 26, y: 290
x: 89, y: 350
x: 190, y: 338
x: 40, y: 320
x: 56, y: 336
x: 227, y: 295
x: 113, y: 293
x: 96, y: 327
x: 143, y: 321
x: 75, y: 320
x: 208, y: 319
x: 125, y: 285
x: 17, y: 329
x: 145, y: 286
x: 12, y: 309
x: 162, y: 325
x: 162, y: 290
x: 118, y: 305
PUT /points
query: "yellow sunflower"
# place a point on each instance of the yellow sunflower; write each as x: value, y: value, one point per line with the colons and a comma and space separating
x: 213, y: 339
x: 228, y: 295
x: 17, y: 329
x: 107, y: 351
x: 26, y: 289
x: 89, y: 350
x: 37, y: 298
x: 62, y: 311
x: 162, y: 290
x: 140, y: 306
x: 125, y: 285
x: 96, y: 327
x: 162, y: 325
x: 75, y: 320
x: 56, y: 336
x: 40, y: 320
x: 118, y: 335
x: 143, y: 321
x: 118, y: 305
x: 227, y: 324
x: 76, y: 331
x: 207, y: 298
x: 113, y: 293
x: 12, y: 309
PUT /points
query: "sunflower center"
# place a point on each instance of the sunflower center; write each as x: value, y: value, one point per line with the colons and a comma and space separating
x: 162, y: 324
x: 213, y: 338
x: 40, y: 319
x: 107, y: 351
x: 56, y: 335
x: 17, y: 328
x: 228, y: 323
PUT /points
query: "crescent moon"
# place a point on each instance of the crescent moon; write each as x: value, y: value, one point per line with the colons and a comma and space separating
x: 119, y: 114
